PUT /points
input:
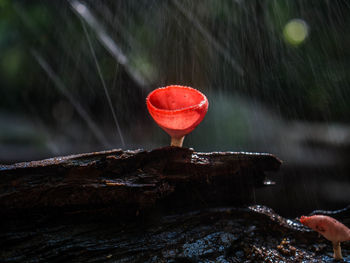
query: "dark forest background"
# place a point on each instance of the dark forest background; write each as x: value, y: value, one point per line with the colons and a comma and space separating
x: 276, y: 73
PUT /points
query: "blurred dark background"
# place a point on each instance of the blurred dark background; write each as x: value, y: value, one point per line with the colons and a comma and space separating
x: 74, y: 76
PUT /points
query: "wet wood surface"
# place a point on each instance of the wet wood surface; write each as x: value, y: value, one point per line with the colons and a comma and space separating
x: 252, y: 234
x: 128, y: 182
x: 180, y: 206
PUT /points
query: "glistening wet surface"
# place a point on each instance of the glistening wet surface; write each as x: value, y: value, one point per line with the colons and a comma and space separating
x: 254, y: 234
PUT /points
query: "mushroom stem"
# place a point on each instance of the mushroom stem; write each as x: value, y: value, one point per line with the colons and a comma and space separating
x: 177, y: 141
x: 337, y: 251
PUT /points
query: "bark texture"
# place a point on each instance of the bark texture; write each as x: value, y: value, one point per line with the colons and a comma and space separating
x: 131, y: 181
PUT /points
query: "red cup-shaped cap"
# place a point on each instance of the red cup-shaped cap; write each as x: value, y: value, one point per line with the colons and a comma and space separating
x: 177, y: 109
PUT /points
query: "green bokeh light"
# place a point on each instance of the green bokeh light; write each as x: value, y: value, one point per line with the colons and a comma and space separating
x: 295, y: 31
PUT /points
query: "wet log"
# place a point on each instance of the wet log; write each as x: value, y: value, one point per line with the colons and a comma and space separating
x: 141, y: 179
x: 129, y: 182
x: 252, y: 234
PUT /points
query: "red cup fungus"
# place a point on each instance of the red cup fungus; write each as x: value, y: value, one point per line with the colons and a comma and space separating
x: 177, y: 110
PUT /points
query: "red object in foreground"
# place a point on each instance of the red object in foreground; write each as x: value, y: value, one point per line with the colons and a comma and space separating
x: 177, y: 109
x: 330, y: 228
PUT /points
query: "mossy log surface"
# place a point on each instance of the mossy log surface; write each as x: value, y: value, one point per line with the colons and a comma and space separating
x: 129, y: 182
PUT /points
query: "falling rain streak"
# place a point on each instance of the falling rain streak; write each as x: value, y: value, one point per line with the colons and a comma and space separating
x: 104, y: 85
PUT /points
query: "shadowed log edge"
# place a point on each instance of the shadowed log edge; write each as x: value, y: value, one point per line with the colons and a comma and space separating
x: 130, y: 179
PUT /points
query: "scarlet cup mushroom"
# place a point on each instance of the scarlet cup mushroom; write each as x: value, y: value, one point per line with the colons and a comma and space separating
x: 177, y: 110
x: 330, y: 228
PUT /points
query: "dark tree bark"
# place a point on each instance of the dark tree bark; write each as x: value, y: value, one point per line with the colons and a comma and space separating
x: 128, y: 182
